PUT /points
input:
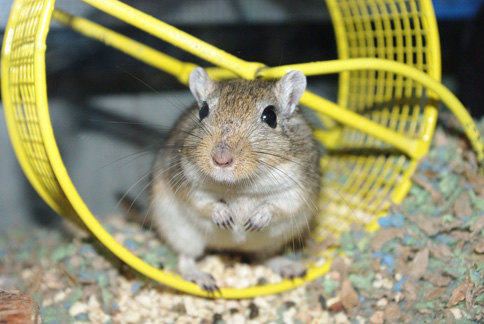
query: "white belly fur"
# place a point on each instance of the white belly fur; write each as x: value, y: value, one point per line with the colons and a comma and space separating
x: 190, y: 234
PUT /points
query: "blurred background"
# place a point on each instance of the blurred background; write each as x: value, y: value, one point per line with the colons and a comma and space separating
x: 108, y: 110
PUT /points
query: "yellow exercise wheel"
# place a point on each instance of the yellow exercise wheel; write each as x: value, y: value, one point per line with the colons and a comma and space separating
x: 389, y: 73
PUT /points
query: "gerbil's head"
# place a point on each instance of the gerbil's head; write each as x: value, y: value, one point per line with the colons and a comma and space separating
x: 244, y: 127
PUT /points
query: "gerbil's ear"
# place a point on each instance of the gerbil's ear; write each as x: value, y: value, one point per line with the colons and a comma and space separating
x: 289, y: 91
x: 200, y: 84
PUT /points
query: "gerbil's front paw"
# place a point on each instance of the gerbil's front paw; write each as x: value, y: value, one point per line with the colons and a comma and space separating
x: 258, y: 221
x: 204, y: 280
x: 222, y: 216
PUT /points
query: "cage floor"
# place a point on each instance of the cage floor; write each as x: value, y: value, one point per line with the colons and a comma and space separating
x: 426, y: 264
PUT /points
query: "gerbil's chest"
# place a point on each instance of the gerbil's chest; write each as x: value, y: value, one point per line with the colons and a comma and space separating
x: 243, y: 206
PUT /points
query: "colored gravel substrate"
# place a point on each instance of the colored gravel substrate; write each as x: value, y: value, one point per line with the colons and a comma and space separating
x: 425, y: 264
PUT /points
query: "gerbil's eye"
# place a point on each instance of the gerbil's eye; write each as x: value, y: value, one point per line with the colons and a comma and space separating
x: 203, y: 111
x: 269, y: 116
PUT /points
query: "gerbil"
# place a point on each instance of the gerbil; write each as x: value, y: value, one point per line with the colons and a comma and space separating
x: 238, y: 172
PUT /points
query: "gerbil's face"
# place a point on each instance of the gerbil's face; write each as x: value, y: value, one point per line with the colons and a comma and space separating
x: 239, y: 135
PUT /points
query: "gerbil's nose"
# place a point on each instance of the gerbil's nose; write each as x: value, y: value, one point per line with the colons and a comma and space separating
x: 222, y: 156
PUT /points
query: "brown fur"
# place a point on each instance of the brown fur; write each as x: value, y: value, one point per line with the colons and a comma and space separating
x: 275, y: 172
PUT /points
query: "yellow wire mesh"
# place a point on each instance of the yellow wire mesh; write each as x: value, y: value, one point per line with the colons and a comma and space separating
x: 24, y: 97
x: 363, y: 175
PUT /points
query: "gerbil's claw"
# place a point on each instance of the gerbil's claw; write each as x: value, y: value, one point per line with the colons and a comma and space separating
x: 229, y: 223
x: 251, y: 227
x: 303, y: 274
x: 225, y: 224
x: 211, y: 289
x: 258, y: 221
x: 222, y: 217
x: 204, y: 280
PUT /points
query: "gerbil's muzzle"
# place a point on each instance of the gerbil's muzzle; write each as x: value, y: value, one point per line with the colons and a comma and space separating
x: 222, y: 155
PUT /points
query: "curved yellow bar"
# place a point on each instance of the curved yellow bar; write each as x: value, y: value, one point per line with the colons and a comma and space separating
x: 349, y: 118
x: 179, y: 69
x: 412, y: 147
x: 131, y: 47
x: 177, y: 37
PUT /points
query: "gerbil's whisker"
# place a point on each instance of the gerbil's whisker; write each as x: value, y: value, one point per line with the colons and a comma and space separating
x: 187, y: 132
x: 157, y: 175
x: 138, y: 79
x: 285, y: 174
x: 312, y: 206
x: 136, y: 155
x: 150, y: 172
x: 277, y: 183
x: 286, y: 159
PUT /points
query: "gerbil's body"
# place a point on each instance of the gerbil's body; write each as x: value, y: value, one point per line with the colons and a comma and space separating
x: 239, y: 172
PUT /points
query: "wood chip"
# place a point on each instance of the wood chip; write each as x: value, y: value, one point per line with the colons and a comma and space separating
x: 477, y: 182
x: 477, y: 227
x: 425, y: 311
x: 418, y: 267
x: 438, y: 280
x: 459, y: 294
x: 385, y: 235
x: 479, y: 247
x: 442, y: 252
x: 428, y: 187
x: 462, y: 236
x: 469, y: 297
x: 392, y: 311
x: 452, y: 225
x: 339, y: 265
x: 435, y: 293
x: 462, y: 205
x: 410, y: 290
x: 349, y: 297
x: 429, y: 225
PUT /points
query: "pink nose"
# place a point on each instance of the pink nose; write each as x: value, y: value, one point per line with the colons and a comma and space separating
x: 222, y: 156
